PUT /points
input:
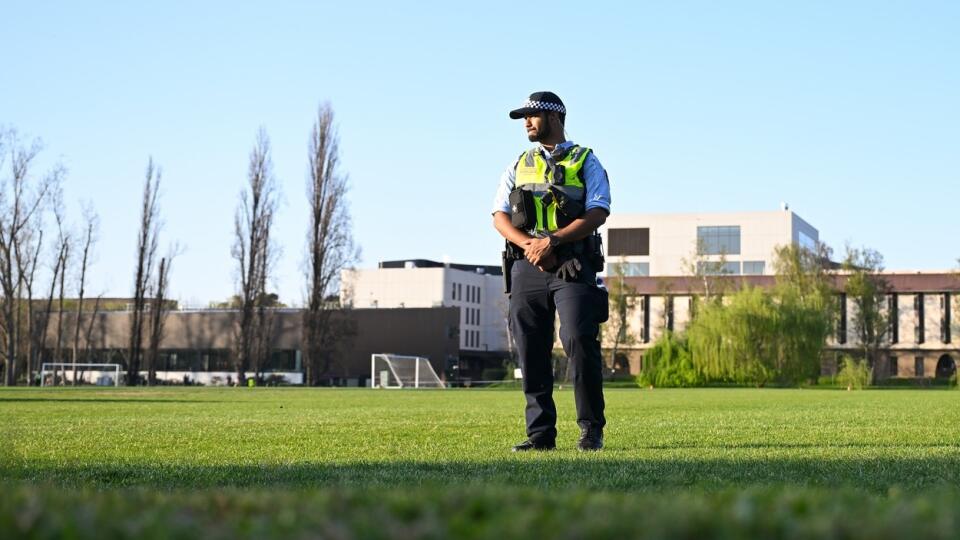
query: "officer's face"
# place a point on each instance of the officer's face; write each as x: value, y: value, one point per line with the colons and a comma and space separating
x: 537, y: 126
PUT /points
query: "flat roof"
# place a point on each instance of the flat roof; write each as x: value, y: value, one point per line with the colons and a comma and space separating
x: 485, y: 269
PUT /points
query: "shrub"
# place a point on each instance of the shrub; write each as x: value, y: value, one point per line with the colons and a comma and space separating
x: 669, y: 363
x: 854, y: 374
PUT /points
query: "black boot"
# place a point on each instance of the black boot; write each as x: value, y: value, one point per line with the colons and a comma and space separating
x: 535, y: 444
x: 591, y: 438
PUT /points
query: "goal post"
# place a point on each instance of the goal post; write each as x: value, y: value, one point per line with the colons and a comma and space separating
x: 99, y: 374
x: 397, y: 371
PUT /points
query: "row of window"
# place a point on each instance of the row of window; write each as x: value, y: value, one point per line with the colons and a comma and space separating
x: 841, y: 321
x: 893, y: 314
x: 736, y: 268
x: 918, y: 369
x: 732, y: 268
x: 472, y: 338
x: 472, y: 293
x: 470, y: 316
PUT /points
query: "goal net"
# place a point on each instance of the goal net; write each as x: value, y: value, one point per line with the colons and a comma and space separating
x: 66, y: 373
x: 395, y: 371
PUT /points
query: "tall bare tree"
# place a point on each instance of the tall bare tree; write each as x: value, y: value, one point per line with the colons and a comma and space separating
x: 66, y: 241
x: 146, y: 259
x: 21, y: 199
x: 29, y: 272
x: 255, y: 255
x: 91, y: 224
x: 159, y: 308
x: 330, y: 247
x: 38, y: 334
x: 88, y: 333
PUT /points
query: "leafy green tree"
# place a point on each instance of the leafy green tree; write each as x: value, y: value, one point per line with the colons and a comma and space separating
x: 867, y: 289
x: 804, y: 293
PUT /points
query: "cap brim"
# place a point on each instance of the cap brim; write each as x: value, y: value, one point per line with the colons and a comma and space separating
x: 517, y: 114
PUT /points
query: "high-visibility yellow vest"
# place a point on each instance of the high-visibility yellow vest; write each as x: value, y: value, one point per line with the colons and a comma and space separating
x: 551, y: 182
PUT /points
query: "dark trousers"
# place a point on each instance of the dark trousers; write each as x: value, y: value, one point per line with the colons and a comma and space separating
x: 535, y: 298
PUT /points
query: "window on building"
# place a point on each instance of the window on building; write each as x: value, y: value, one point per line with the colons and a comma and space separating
x: 629, y: 242
x: 918, y: 308
x: 842, y: 319
x: 453, y: 291
x: 753, y: 268
x: 918, y: 366
x: 478, y: 294
x: 893, y: 366
x: 893, y: 315
x: 716, y: 268
x: 806, y: 241
x: 460, y: 291
x: 645, y: 306
x: 668, y: 308
x: 945, y: 317
x: 719, y: 240
x: 628, y: 269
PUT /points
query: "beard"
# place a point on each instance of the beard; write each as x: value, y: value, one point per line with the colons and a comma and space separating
x: 541, y: 133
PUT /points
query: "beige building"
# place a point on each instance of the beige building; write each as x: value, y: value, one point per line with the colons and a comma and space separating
x: 475, y: 290
x: 736, y: 243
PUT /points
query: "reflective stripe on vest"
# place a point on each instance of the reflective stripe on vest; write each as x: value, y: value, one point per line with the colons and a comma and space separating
x: 536, y: 174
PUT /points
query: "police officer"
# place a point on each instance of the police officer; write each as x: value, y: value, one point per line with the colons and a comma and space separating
x: 548, y: 206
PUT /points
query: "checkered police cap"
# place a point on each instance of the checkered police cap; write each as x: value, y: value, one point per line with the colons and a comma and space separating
x: 537, y: 102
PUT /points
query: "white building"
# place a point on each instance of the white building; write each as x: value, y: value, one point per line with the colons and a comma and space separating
x: 475, y: 289
x: 665, y: 244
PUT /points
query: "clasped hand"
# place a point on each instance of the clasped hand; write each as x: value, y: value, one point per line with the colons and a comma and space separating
x: 539, y: 253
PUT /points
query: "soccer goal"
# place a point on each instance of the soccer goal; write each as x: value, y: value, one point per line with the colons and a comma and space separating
x: 77, y: 374
x: 395, y: 371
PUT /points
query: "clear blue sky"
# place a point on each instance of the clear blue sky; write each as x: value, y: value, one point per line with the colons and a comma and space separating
x: 849, y: 111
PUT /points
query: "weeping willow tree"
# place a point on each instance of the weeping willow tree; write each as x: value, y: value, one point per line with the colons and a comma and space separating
x: 759, y: 335
x: 736, y: 340
x: 805, y: 294
x: 668, y: 363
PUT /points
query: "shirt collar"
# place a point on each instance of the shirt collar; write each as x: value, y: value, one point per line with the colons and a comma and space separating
x: 561, y: 146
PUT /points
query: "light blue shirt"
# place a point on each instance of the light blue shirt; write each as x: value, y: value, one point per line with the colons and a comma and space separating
x: 594, y: 178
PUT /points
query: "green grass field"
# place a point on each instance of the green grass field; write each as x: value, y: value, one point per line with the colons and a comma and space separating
x: 732, y: 463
